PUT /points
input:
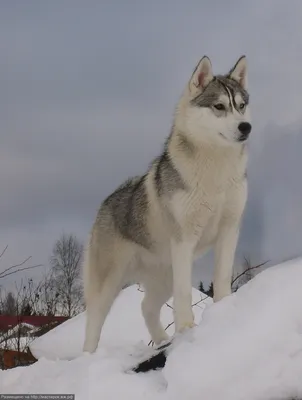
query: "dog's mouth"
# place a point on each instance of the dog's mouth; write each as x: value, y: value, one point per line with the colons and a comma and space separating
x: 243, y: 138
x: 239, y: 140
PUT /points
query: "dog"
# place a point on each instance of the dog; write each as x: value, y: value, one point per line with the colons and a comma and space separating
x: 190, y: 199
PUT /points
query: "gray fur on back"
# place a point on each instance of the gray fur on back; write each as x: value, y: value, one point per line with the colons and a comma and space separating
x: 167, y: 179
x: 129, y: 205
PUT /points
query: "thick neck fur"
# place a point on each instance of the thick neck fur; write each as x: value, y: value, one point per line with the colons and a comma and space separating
x: 193, y: 160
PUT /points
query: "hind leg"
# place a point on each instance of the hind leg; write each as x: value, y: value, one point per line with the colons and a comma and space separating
x: 156, y: 295
x: 98, y: 305
x: 104, y: 272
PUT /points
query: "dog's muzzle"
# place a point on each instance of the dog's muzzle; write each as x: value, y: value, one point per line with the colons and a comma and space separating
x: 244, y: 129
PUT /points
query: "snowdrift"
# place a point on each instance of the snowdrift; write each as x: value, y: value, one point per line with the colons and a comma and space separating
x: 247, y: 347
x: 124, y: 326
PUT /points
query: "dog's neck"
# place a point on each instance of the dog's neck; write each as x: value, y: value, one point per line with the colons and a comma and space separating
x: 180, y: 142
x: 194, y: 159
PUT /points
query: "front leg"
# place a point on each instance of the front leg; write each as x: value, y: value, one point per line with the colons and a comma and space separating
x: 224, y: 258
x: 182, y: 258
x: 227, y: 240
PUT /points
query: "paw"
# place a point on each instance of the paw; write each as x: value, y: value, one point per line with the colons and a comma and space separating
x: 161, y: 338
x: 89, y: 347
x: 185, y: 326
x: 221, y: 291
x: 221, y: 296
x: 184, y: 321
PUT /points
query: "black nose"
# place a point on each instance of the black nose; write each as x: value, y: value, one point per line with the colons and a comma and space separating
x: 245, y: 129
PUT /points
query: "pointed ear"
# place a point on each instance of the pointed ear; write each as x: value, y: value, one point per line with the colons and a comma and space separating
x: 239, y: 72
x: 201, y: 76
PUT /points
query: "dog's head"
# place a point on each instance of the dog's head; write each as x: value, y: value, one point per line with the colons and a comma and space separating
x: 216, y: 108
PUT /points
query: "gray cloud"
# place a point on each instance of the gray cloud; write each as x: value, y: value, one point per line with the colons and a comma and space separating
x: 87, y: 95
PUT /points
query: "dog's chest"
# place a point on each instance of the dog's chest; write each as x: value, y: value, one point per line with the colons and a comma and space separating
x: 191, y: 207
x: 205, y: 198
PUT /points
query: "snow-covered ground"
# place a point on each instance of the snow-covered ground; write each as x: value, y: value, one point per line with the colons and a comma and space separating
x: 124, y: 326
x: 247, y: 347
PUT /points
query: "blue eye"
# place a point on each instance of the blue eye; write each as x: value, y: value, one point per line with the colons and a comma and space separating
x: 241, y: 106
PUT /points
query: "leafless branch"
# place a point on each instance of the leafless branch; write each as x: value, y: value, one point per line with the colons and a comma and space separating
x: 16, y: 265
x: 151, y: 343
x: 16, y: 268
x: 2, y: 275
x: 5, y: 248
x: 248, y: 269
x: 199, y: 301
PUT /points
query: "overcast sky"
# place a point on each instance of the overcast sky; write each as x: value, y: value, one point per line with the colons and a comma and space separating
x: 87, y: 92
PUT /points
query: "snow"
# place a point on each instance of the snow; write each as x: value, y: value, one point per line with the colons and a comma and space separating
x: 12, y: 340
x: 21, y: 342
x: 124, y: 326
x: 248, y: 346
x: 18, y: 327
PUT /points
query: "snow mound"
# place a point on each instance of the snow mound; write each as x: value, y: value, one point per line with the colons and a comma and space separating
x: 247, y: 347
x: 124, y: 326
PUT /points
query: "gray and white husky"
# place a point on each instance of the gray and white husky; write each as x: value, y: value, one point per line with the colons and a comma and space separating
x: 190, y: 199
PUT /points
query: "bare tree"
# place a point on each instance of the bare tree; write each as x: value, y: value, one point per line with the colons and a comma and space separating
x: 66, y: 271
x: 13, y: 269
x: 28, y: 298
x: 16, y: 303
x: 21, y: 301
x: 31, y: 298
x: 47, y: 295
x: 9, y: 304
